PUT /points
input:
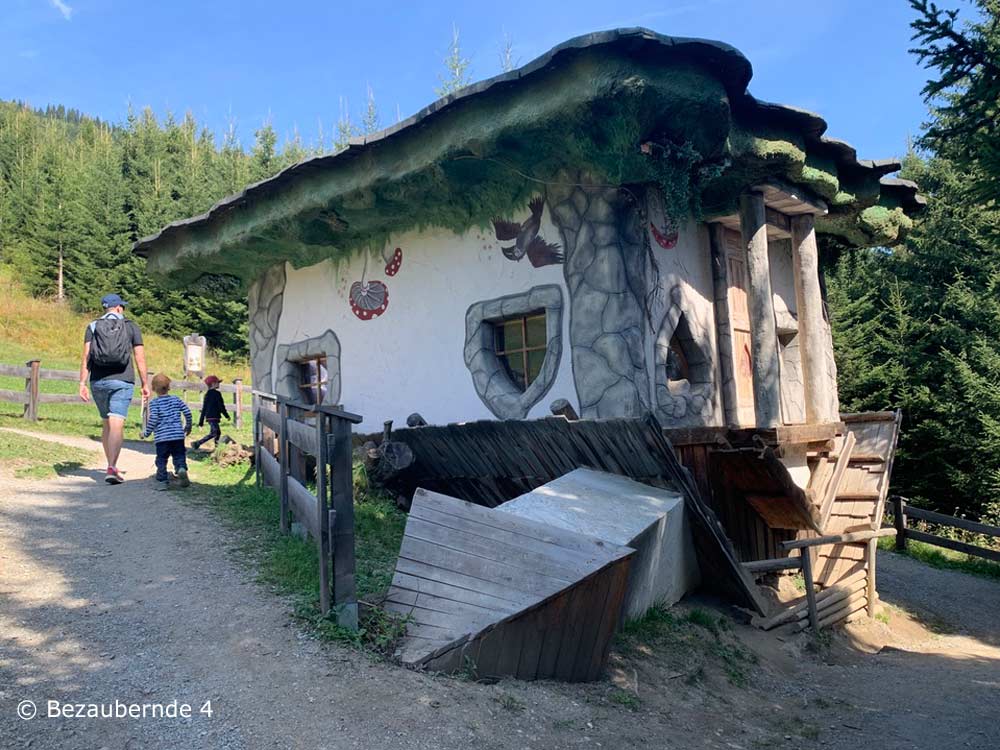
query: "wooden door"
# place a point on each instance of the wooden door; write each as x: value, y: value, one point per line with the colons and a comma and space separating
x: 739, y: 321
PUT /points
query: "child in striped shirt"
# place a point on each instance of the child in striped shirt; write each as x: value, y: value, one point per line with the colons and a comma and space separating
x: 164, y: 423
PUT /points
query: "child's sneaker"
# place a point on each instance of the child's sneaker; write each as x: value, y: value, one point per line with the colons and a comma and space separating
x: 113, y: 476
x: 182, y: 478
x: 164, y: 485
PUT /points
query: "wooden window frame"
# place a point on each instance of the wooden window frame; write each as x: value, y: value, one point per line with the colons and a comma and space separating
x: 316, y: 387
x: 524, y: 349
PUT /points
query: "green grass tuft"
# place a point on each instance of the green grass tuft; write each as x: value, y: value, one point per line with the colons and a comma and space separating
x: 28, y: 459
x: 944, y: 559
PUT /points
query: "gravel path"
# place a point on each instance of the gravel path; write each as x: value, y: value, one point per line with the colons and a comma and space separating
x: 124, y: 593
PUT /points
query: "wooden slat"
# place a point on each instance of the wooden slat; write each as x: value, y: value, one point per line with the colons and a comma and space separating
x: 960, y: 523
x: 303, y: 437
x: 839, y: 470
x: 758, y: 567
x: 463, y: 585
x: 858, y: 536
x: 14, y: 397
x: 952, y: 544
x: 271, y: 419
x: 303, y: 505
x: 270, y: 469
x: 19, y: 371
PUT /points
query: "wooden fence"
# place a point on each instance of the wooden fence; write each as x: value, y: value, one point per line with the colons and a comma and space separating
x: 33, y: 373
x: 295, y: 445
x: 902, y: 510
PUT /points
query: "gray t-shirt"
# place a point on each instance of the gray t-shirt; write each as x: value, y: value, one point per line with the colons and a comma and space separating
x: 114, y: 372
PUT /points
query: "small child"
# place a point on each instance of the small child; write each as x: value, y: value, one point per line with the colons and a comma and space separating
x: 213, y: 408
x: 164, y: 422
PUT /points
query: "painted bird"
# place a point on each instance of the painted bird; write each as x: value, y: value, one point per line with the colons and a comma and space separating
x: 526, y: 238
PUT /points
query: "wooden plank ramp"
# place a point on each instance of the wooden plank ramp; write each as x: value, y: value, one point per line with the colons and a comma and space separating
x: 503, y: 596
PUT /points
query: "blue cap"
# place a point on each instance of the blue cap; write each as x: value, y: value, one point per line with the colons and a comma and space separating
x: 112, y: 300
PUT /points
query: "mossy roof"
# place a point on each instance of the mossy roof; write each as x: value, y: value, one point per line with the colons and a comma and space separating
x: 584, y: 106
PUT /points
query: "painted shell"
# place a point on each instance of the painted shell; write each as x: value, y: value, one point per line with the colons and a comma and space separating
x: 369, y: 300
x: 393, y: 262
x: 664, y: 239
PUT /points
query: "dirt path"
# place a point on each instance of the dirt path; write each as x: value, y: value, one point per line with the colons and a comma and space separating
x: 124, y: 593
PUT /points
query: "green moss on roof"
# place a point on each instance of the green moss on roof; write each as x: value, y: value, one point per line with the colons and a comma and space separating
x: 587, y: 106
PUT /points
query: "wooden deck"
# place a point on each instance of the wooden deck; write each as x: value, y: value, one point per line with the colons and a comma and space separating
x: 502, y: 596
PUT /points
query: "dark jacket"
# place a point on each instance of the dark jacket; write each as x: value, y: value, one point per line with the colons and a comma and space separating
x: 213, y: 407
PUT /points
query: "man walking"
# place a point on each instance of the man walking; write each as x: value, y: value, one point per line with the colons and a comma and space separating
x: 108, y: 346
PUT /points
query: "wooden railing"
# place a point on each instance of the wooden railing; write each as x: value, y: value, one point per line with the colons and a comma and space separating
x: 33, y: 373
x: 296, y: 444
x: 902, y: 510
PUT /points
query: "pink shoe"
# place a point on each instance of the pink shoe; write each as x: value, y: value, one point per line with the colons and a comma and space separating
x: 114, y: 476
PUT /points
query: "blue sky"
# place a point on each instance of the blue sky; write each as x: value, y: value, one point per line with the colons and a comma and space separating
x: 294, y: 60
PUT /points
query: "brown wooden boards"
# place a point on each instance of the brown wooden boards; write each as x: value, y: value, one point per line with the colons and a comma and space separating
x: 501, y: 595
x: 490, y: 462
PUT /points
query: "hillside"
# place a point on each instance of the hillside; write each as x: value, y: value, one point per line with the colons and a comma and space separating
x: 34, y: 328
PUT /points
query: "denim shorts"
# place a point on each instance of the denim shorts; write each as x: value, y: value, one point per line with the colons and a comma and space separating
x: 112, y: 397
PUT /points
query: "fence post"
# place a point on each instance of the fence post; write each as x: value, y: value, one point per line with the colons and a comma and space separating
x: 283, y: 458
x: 258, y: 436
x: 807, y: 575
x: 345, y: 596
x: 238, y: 403
x: 899, y: 516
x: 31, y: 391
x: 323, y: 543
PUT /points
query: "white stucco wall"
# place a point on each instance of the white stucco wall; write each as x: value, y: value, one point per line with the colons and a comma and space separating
x: 411, y: 358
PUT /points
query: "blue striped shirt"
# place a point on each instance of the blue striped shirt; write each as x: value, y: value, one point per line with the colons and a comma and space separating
x: 165, y: 419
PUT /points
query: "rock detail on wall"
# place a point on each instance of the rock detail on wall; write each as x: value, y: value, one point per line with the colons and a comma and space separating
x: 691, y: 401
x: 604, y: 266
x: 489, y: 376
x: 287, y: 376
x: 831, y: 370
x: 264, y: 304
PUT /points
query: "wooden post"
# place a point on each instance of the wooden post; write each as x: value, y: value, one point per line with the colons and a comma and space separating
x: 283, y: 459
x: 31, y: 391
x: 322, y: 508
x: 238, y: 403
x: 345, y: 597
x: 763, y: 329
x: 386, y: 431
x: 807, y: 575
x: 899, y: 517
x: 723, y: 323
x: 870, y: 555
x: 258, y: 436
x: 809, y: 305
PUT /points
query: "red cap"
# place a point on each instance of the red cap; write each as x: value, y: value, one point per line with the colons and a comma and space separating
x: 211, y: 380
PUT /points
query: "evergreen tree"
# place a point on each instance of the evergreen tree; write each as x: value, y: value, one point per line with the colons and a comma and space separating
x: 457, y: 74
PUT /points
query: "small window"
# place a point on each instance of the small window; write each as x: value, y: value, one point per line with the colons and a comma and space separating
x: 313, y: 379
x: 677, y: 363
x: 520, y: 344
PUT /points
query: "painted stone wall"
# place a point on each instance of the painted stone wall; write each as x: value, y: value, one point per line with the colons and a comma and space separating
x: 682, y: 302
x: 605, y: 275
x: 265, y: 302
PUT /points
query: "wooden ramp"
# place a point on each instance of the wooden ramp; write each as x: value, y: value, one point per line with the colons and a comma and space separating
x: 502, y: 596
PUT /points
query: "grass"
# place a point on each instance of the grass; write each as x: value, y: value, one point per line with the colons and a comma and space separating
x: 29, y: 460
x: 694, y: 638
x: 945, y: 559
x: 288, y: 563
x: 625, y: 699
x: 51, y: 331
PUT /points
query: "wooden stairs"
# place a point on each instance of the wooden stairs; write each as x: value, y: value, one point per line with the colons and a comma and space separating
x: 838, y: 516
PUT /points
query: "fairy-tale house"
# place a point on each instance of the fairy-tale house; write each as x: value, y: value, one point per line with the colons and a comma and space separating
x: 618, y: 223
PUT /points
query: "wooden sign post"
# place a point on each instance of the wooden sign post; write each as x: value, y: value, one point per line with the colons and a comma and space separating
x: 195, y: 349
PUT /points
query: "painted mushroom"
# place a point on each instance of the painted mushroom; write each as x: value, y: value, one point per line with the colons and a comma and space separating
x: 369, y: 299
x: 664, y: 238
x: 392, y: 263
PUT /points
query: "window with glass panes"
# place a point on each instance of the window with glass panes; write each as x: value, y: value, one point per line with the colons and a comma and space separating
x: 520, y: 343
x: 313, y: 379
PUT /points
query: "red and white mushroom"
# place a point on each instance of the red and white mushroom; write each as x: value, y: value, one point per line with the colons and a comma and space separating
x: 369, y: 299
x: 393, y: 262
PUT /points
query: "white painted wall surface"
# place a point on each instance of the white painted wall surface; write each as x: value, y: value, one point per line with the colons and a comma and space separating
x: 411, y: 357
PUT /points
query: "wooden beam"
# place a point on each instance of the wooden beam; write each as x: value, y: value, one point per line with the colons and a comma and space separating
x: 833, y: 487
x: 870, y: 574
x: 807, y: 574
x: 809, y: 305
x: 849, y: 538
x: 940, y: 541
x: 723, y: 324
x: 763, y: 329
x: 958, y: 523
x: 771, y: 566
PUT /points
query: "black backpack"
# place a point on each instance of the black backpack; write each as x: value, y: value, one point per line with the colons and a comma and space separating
x: 111, y: 343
